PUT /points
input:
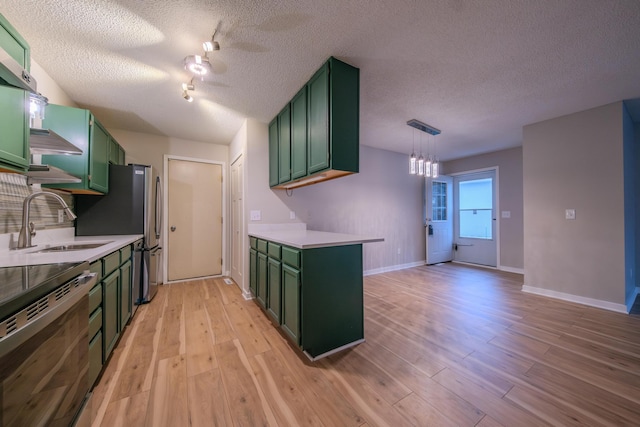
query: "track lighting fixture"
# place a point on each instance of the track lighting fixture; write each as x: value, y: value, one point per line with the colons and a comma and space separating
x: 212, y: 45
x: 197, y: 64
x: 186, y: 87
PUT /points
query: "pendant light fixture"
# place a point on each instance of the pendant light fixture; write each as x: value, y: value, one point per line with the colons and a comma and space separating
x: 412, y: 158
x: 429, y: 166
x: 199, y: 65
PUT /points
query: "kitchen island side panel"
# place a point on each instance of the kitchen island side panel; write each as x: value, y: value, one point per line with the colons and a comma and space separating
x: 332, y: 305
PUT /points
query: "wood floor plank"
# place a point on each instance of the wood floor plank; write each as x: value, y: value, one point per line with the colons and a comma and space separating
x: 445, y: 345
x: 168, y: 397
x: 478, y: 395
x: 207, y: 401
x: 283, y: 393
x: 245, y: 402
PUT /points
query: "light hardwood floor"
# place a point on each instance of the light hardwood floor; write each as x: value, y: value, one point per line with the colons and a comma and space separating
x: 446, y: 345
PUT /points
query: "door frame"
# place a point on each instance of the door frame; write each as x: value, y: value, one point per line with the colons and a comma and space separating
x: 165, y: 213
x: 244, y: 251
x: 497, y: 212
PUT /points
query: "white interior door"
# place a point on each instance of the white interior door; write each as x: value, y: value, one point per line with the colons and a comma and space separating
x: 237, y: 207
x: 475, y: 218
x: 194, y: 245
x: 439, y: 219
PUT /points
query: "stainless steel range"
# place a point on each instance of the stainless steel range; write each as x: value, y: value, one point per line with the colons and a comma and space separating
x: 44, y: 343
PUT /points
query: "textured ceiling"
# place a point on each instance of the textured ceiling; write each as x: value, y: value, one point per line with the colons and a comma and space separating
x: 477, y: 70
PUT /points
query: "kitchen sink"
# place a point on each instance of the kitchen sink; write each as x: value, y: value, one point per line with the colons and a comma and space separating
x: 71, y: 247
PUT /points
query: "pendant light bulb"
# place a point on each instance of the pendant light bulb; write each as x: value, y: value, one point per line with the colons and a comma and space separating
x: 435, y: 169
x: 412, y: 164
x: 427, y: 167
x: 421, y: 165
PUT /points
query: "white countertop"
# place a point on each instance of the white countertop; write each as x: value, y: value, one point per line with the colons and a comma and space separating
x: 30, y: 257
x: 307, y: 239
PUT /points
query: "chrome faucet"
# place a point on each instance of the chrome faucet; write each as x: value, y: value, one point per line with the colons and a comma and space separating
x: 28, y: 230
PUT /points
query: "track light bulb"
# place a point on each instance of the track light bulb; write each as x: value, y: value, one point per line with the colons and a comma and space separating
x: 196, y: 64
x: 186, y: 96
x: 211, y: 46
x: 188, y: 86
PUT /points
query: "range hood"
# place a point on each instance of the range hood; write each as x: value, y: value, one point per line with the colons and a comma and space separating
x: 45, y: 174
x: 46, y: 141
x: 12, y: 73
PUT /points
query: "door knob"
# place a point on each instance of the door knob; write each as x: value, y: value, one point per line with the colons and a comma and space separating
x: 173, y: 228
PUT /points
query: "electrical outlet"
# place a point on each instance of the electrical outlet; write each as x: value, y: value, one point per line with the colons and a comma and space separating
x: 399, y: 251
x: 60, y: 215
x: 570, y: 214
x: 292, y: 215
x: 256, y: 215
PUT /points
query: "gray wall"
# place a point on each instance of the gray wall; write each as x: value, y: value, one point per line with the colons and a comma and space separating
x: 383, y: 200
x: 509, y: 163
x: 575, y: 161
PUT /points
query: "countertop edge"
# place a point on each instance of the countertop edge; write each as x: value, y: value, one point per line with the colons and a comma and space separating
x: 305, y: 242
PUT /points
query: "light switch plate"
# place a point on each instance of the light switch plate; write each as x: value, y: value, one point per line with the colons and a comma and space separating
x: 256, y: 215
x: 292, y: 215
x: 570, y: 214
x: 506, y: 214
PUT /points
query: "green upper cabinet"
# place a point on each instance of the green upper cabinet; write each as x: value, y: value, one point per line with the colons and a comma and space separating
x: 79, y: 127
x: 284, y: 145
x: 324, y: 127
x: 299, y: 134
x: 318, y: 106
x: 116, y: 152
x: 14, y: 104
x: 273, y: 152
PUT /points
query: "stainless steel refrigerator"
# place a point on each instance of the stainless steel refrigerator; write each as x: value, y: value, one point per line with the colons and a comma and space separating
x: 132, y: 206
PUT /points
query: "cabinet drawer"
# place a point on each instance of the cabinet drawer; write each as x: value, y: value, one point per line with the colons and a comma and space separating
x: 125, y: 254
x: 111, y: 262
x: 253, y: 242
x: 95, y: 297
x: 273, y: 250
x: 95, y: 322
x: 291, y: 257
x: 96, y: 267
x: 95, y: 358
x: 262, y: 246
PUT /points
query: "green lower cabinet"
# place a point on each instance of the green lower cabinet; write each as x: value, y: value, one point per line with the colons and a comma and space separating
x: 316, y: 295
x: 274, y: 284
x: 261, y: 291
x: 291, y: 302
x: 110, y: 302
x: 125, y: 294
x: 95, y: 358
x: 253, y: 270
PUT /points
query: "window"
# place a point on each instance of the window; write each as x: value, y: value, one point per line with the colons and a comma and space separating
x: 476, y: 208
x: 439, y: 201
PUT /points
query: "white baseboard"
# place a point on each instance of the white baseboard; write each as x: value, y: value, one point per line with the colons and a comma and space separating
x: 392, y: 268
x: 632, y: 299
x: 607, y: 305
x: 511, y: 269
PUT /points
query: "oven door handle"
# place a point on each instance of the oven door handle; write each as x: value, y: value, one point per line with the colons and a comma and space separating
x: 80, y: 288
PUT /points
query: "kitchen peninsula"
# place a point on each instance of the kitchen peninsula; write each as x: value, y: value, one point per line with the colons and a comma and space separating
x: 310, y: 285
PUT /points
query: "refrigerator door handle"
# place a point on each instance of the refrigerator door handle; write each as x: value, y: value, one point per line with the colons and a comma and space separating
x: 159, y: 203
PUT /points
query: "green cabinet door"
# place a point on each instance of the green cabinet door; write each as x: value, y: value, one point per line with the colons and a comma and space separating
x: 110, y: 303
x: 274, y: 301
x: 284, y: 145
x: 79, y: 127
x: 299, y: 134
x: 318, y: 109
x: 253, y: 271
x: 273, y: 153
x: 95, y: 358
x: 291, y: 302
x: 261, y: 294
x: 125, y: 294
x: 14, y: 129
x: 121, y: 154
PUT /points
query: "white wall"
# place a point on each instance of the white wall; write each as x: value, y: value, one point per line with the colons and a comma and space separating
x: 49, y: 88
x: 509, y: 163
x: 575, y: 162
